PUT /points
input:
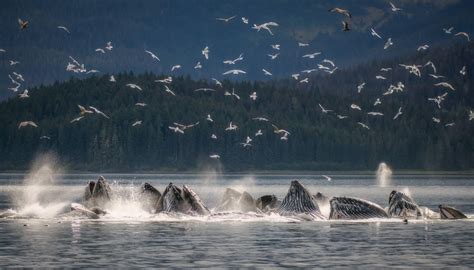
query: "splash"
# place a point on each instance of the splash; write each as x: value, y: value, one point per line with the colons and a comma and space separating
x: 384, y: 175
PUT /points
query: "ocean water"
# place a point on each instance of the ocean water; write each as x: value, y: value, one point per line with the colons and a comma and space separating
x: 44, y: 235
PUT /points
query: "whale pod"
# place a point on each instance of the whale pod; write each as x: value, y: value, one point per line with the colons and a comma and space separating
x: 354, y: 208
x: 298, y: 201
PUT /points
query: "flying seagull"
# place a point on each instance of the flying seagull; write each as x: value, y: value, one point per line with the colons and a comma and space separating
x: 225, y: 19
x: 341, y: 11
x: 27, y: 123
x: 64, y: 28
x: 323, y: 109
x: 394, y: 8
x: 23, y: 24
x: 98, y: 112
x: 327, y: 177
x: 134, y: 86
x: 375, y: 34
x: 388, y: 43
x: 234, y: 71
x: 463, y: 34
x: 205, y: 52
x: 152, y: 55
x: 398, y: 113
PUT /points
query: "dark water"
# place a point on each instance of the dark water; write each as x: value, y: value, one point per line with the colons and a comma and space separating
x: 131, y: 238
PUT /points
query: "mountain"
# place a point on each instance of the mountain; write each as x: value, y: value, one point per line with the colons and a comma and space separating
x: 317, y: 141
x: 177, y: 31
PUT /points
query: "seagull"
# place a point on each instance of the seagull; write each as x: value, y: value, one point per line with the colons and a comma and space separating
x: 208, y: 118
x: 23, y: 24
x: 265, y: 26
x: 377, y: 102
x: 176, y: 130
x: 248, y: 140
x: 431, y: 64
x: 450, y: 124
x: 64, y: 28
x: 205, y: 52
x: 198, y: 65
x: 273, y: 56
x: 295, y: 76
x: 345, y: 26
x: 309, y: 70
x: 232, y: 62
x: 225, y: 19
x: 168, y: 90
x: 423, y: 47
x: 439, y: 99
x: 284, y: 137
x: 253, y: 96
x: 388, y: 43
x: 45, y: 138
x: 27, y: 123
x: 245, y: 20
x: 266, y: 72
x: 398, y: 113
x: 276, y: 46
x: 355, y: 107
x: 109, y: 46
x: 18, y: 76
x: 375, y: 34
x: 153, y: 55
x: 112, y: 78
x: 341, y: 116
x: 231, y: 127
x: 449, y: 30
x: 175, y: 67
x: 360, y: 87
x: 167, y: 80
x: 385, y: 69
x: 134, y: 86
x: 463, y: 71
x: 305, y: 80
x: 83, y: 110
x: 215, y: 156
x: 218, y: 83
x: 92, y: 71
x: 380, y: 77
x: 329, y: 62
x: 245, y: 144
x: 303, y: 44
x: 322, y: 67
x: 259, y: 133
x: 234, y: 94
x: 140, y: 104
x: 471, y: 115
x: 214, y: 137
x: 375, y: 113
x: 311, y: 55
x: 327, y: 177
x: 24, y: 94
x: 323, y: 109
x: 77, y: 119
x: 436, y: 76
x: 436, y: 120
x: 234, y: 71
x: 463, y: 34
x: 2, y: 50
x: 445, y: 84
x: 394, y: 8
x: 99, y: 112
x: 260, y: 119
x: 363, y: 125
x: 341, y: 11
x: 100, y: 50
x: 137, y: 123
x: 279, y: 131
x: 204, y: 90
x: 12, y: 62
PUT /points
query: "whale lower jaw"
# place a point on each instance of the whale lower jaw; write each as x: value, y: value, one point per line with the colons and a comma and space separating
x: 299, y: 201
x: 354, y: 208
x: 447, y: 212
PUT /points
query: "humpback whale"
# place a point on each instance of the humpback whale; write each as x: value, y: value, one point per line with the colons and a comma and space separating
x: 299, y: 202
x: 179, y: 200
x: 232, y: 200
x: 447, y: 212
x: 149, y: 196
x: 353, y: 208
x: 402, y: 205
x: 97, y: 193
x: 267, y: 203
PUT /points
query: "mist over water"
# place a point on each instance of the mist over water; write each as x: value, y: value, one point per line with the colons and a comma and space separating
x: 384, y: 175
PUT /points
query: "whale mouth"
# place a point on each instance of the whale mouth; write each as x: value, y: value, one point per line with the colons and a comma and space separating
x: 298, y: 200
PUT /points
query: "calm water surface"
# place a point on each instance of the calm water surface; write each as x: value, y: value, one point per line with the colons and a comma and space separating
x: 131, y: 238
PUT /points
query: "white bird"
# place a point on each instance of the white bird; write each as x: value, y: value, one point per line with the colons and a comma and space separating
x: 423, y: 47
x: 92, y: 71
x: 388, y: 43
x: 276, y: 46
x: 167, y: 80
x: 436, y: 76
x: 295, y: 76
x: 98, y: 112
x: 308, y: 71
x: 134, y: 86
x: 385, y: 69
x: 375, y: 113
x: 363, y: 125
x: 215, y: 156
x: 375, y: 34
x: 245, y: 20
x: 263, y: 119
x: 439, y: 99
x: 322, y: 67
x: 15, y: 89
x: 45, y: 138
x: 245, y: 144
x: 471, y: 115
x: 253, y: 96
x: 266, y: 72
x: 2, y: 50
x: 311, y: 55
x: 248, y: 140
x: 394, y: 8
x: 327, y: 177
x: 168, y: 90
x: 234, y: 94
x: 273, y: 56
x: 214, y: 137
x: 341, y: 116
x: 231, y: 127
x: 445, y: 84
x: 27, y: 123
x: 259, y: 133
x: 398, y: 113
x: 83, y: 110
x: 380, y: 77
x: 141, y: 104
x: 12, y: 62
x: 175, y: 67
x: 24, y: 94
x: 64, y: 28
x: 436, y: 120
x: 109, y: 46
x: 204, y: 90
x: 198, y: 65
x: 429, y: 63
x: 279, y: 130
x: 331, y: 71
x: 176, y: 129
x: 463, y: 34
x: 449, y: 30
x: 100, y: 50
x: 232, y: 62
x: 305, y: 80
x: 234, y: 71
x: 205, y: 52
x: 218, y: 83
x: 323, y: 109
x: 225, y: 19
x: 77, y: 119
x: 208, y: 118
x: 265, y: 26
x: 18, y: 76
x: 377, y: 102
x: 355, y: 107
x: 137, y: 123
x: 450, y: 124
x: 360, y: 87
x: 152, y: 55
x: 329, y: 62
x: 300, y: 44
x: 284, y: 137
x: 463, y: 71
x: 23, y: 24
x: 112, y: 78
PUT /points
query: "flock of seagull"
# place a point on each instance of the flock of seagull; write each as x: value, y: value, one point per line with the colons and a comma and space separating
x: 325, y: 65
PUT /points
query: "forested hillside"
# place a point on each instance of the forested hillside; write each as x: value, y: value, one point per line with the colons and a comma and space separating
x: 317, y: 140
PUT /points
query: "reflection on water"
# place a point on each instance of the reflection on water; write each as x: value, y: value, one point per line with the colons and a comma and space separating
x: 159, y: 241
